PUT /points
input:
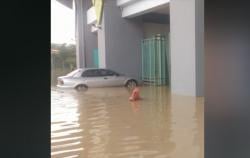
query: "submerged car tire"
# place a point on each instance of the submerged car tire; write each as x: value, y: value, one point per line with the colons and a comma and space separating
x: 131, y: 84
x: 81, y: 87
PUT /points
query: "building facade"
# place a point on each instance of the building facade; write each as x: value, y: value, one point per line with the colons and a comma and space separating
x: 126, y: 23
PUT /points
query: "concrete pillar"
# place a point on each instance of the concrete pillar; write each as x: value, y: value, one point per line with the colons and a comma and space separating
x: 200, y: 50
x: 186, y: 45
x: 79, y: 11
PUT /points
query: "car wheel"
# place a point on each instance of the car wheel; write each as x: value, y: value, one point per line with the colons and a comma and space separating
x: 81, y: 88
x: 131, y: 84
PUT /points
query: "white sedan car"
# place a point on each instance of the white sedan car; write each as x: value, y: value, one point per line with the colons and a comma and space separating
x: 81, y: 79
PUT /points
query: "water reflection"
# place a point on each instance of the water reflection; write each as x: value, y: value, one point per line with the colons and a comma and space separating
x: 135, y: 106
x: 199, y: 118
x: 185, y: 127
x: 66, y: 134
x: 103, y: 123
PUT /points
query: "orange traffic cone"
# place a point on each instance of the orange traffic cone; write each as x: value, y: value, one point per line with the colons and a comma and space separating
x: 135, y: 94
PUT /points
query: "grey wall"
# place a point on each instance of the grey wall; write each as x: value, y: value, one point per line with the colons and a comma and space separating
x: 151, y: 29
x: 122, y: 41
x: 101, y: 45
x: 90, y: 38
x: 158, y: 18
x: 90, y: 43
x: 227, y: 79
x: 186, y: 47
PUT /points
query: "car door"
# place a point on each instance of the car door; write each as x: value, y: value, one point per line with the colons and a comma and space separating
x: 111, y: 78
x: 93, y: 78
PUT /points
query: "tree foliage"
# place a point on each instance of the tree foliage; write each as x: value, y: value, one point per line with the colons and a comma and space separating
x: 63, y: 56
x: 63, y: 60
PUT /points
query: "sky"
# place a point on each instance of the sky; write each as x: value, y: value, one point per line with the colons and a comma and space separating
x: 62, y: 23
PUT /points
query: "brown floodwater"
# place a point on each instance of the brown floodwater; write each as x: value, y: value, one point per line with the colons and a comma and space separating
x: 103, y: 123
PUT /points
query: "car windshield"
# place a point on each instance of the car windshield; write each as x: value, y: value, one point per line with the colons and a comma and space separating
x: 73, y: 72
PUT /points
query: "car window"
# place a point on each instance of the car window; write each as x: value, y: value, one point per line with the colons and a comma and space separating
x: 91, y: 73
x: 73, y: 72
x: 112, y: 73
x: 104, y: 72
x: 77, y: 74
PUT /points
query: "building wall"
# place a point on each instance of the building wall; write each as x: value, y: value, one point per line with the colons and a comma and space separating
x: 90, y: 43
x: 151, y: 29
x: 122, y: 39
x: 90, y: 39
x: 101, y: 45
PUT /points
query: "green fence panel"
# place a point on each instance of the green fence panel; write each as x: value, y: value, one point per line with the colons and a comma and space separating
x: 154, y: 60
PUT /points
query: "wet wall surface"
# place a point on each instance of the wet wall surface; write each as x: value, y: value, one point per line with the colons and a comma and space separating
x: 103, y: 123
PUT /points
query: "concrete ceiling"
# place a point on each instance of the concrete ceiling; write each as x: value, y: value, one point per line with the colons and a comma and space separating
x: 157, y: 15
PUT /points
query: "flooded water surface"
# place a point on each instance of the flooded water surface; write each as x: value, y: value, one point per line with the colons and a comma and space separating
x: 103, y: 123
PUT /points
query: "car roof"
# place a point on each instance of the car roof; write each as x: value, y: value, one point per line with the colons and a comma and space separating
x: 84, y: 69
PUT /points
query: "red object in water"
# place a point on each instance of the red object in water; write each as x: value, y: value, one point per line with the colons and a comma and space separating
x: 135, y: 95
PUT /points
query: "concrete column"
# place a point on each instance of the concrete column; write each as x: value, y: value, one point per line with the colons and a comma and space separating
x: 186, y: 45
x: 79, y: 11
x: 200, y: 50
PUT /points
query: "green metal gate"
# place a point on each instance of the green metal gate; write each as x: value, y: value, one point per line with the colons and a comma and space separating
x: 154, y: 60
